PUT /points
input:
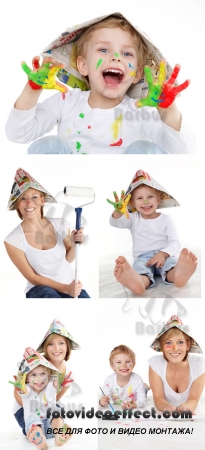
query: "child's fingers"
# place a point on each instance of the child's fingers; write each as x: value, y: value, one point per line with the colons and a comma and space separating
x: 182, y: 86
x: 35, y: 62
x: 116, y: 196
x: 148, y: 75
x: 162, y: 72
x: 174, y: 74
x: 122, y: 196
x: 110, y: 201
x: 26, y: 68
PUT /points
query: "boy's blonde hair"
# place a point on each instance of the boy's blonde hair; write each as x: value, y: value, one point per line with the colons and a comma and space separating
x: 50, y: 338
x: 124, y: 350
x: 142, y: 50
x: 173, y: 332
x: 16, y: 203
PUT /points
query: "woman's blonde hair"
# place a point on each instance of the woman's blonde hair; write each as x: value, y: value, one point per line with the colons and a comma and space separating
x: 169, y: 334
x: 16, y: 203
x: 124, y: 350
x: 142, y: 50
x: 50, y: 338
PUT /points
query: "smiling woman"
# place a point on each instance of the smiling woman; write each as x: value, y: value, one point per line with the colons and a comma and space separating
x: 176, y: 377
x: 41, y: 248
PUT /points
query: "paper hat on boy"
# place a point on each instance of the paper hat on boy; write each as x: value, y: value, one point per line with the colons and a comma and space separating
x: 22, y: 182
x: 33, y: 359
x: 58, y: 328
x: 176, y: 322
x: 142, y: 177
x: 63, y: 49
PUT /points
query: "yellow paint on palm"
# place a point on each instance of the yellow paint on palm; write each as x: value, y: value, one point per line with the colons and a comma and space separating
x: 115, y: 127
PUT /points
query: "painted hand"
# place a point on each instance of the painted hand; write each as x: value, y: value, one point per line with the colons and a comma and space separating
x: 154, y: 87
x: 120, y: 205
x: 19, y: 382
x: 170, y: 91
x: 161, y: 94
x: 43, y: 77
x: 63, y: 380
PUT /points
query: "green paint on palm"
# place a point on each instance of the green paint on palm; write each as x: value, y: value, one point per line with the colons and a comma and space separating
x: 98, y: 63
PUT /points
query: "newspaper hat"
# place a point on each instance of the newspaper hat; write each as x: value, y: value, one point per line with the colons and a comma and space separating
x: 176, y: 322
x: 63, y: 49
x: 58, y: 328
x: 33, y: 359
x: 142, y: 177
x: 22, y: 182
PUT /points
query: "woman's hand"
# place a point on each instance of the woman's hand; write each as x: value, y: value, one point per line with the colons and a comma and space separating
x: 73, y: 289
x: 187, y: 406
x: 77, y: 236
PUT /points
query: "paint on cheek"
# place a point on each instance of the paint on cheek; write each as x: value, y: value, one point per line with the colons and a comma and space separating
x: 98, y: 63
x: 168, y: 346
x: 130, y: 66
x: 133, y: 73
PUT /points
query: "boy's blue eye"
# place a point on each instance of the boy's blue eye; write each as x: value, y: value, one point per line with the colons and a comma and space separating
x: 104, y: 50
x: 127, y: 54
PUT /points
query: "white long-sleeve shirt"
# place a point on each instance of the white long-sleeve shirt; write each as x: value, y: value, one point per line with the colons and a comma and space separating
x: 158, y: 234
x: 95, y: 130
x: 133, y: 391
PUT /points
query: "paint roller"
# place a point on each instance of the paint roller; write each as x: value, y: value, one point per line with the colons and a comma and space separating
x: 73, y: 191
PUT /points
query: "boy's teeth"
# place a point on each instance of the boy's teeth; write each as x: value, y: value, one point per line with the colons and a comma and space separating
x: 113, y: 70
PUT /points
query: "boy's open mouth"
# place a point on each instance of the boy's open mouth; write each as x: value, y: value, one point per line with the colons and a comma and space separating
x: 113, y: 77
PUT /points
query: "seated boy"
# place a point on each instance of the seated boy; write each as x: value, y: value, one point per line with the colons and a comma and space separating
x: 154, y: 236
x: 111, y: 55
x: 124, y: 387
x: 38, y: 394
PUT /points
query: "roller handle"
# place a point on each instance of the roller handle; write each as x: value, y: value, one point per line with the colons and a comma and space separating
x: 78, y: 220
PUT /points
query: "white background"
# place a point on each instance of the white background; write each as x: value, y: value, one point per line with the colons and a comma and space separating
x: 26, y: 28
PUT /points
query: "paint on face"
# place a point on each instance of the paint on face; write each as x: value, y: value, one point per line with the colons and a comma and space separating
x: 117, y: 56
x: 98, y: 63
x: 168, y: 346
x: 130, y: 66
x: 133, y: 73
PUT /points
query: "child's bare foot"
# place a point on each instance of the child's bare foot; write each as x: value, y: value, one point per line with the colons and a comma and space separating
x: 127, y: 276
x: 61, y: 439
x: 185, y: 267
x: 35, y: 436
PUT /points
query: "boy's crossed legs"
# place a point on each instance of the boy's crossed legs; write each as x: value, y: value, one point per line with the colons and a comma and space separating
x: 137, y: 283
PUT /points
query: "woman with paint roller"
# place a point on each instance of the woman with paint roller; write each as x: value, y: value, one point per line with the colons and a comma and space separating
x: 41, y: 248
